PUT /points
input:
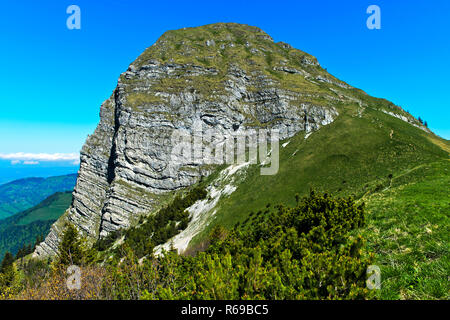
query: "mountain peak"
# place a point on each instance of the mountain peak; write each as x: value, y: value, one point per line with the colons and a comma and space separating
x: 216, y: 45
x: 220, y: 32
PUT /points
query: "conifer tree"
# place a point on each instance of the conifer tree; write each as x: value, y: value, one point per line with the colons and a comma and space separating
x: 7, y: 262
x: 70, y: 249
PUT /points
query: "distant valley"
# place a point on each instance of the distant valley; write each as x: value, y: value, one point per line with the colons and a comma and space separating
x: 20, y: 195
x: 23, y: 228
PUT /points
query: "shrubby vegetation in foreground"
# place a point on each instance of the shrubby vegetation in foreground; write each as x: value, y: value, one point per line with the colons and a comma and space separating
x: 309, y: 251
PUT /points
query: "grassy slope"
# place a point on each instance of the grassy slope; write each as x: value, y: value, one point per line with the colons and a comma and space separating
x: 351, y: 156
x: 22, y: 194
x: 49, y: 209
x: 23, y: 228
x: 408, y: 229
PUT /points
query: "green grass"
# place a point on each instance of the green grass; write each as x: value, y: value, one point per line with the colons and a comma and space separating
x: 408, y: 229
x: 50, y: 209
x: 408, y: 212
x: 351, y: 156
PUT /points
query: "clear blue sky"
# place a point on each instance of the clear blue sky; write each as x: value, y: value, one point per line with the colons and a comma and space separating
x: 53, y: 80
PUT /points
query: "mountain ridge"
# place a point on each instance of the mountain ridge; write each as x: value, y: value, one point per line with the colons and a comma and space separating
x: 22, y: 194
x: 24, y: 227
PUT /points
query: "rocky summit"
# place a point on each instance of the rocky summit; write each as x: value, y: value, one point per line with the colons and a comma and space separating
x: 228, y: 76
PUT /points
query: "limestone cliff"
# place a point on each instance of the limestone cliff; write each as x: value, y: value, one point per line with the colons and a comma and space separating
x: 228, y: 76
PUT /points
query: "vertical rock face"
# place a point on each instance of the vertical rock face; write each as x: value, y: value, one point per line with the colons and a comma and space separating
x: 228, y: 77
x: 92, y: 183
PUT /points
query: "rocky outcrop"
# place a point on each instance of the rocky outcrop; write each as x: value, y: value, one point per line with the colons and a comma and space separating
x: 126, y: 168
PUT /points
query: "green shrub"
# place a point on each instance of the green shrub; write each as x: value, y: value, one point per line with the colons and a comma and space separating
x: 309, y: 251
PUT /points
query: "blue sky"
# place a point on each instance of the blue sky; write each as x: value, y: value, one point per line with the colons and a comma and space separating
x: 54, y: 79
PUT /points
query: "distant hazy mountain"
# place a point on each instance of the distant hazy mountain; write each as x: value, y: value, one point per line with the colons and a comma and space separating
x: 10, y: 172
x: 23, y: 228
x: 22, y: 194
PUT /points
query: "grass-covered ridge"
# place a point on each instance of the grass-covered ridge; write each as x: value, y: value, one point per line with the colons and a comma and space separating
x: 397, y: 169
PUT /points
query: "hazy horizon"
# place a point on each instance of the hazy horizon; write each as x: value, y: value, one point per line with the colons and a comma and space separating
x: 56, y: 78
x: 10, y: 172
